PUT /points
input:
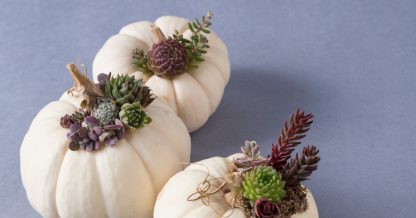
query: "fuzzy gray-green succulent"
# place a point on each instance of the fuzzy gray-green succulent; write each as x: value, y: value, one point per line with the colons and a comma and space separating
x: 105, y: 112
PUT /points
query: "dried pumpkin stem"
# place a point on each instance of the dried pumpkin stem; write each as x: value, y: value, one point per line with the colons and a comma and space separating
x: 157, y: 32
x: 84, y: 87
x: 82, y: 83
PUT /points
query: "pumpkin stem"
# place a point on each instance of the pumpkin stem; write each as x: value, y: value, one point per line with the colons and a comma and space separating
x: 84, y: 86
x: 157, y: 32
x: 82, y: 83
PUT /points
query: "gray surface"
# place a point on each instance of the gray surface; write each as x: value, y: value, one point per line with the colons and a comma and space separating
x: 351, y: 62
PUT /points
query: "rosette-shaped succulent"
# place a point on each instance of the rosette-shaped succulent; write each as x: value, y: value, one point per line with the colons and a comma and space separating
x: 105, y: 112
x: 126, y: 89
x: 263, y: 182
x: 264, y: 208
x: 133, y: 115
x: 85, y: 137
x: 168, y: 58
x: 251, y: 158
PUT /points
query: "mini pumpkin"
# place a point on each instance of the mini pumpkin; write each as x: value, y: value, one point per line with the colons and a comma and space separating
x: 183, y: 62
x: 119, y: 180
x: 246, y: 184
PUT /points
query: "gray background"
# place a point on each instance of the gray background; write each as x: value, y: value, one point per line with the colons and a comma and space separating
x: 352, y: 63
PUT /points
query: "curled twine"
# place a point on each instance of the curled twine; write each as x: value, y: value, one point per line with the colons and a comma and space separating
x: 202, y: 193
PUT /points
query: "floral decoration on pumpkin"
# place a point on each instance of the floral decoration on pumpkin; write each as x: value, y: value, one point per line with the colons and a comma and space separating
x: 269, y: 187
x: 110, y: 106
x: 172, y: 56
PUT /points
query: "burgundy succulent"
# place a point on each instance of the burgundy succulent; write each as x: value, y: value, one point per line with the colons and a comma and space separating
x: 168, y: 58
x: 264, y: 208
x: 66, y: 121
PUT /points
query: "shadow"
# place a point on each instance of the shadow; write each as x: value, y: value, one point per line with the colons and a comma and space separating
x: 254, y: 107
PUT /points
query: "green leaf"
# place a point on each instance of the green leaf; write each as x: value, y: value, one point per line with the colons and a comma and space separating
x: 197, y: 22
x: 198, y: 58
x: 205, y: 30
x: 204, y: 46
x: 203, y: 37
x: 190, y: 27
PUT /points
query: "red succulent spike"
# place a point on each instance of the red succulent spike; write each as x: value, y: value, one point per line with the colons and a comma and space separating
x: 289, y: 138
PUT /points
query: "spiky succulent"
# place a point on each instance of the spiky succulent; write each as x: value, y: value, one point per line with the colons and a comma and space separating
x: 133, y: 115
x: 105, y: 112
x: 298, y: 169
x: 263, y: 182
x: 126, y: 89
x: 292, y: 131
x: 251, y: 158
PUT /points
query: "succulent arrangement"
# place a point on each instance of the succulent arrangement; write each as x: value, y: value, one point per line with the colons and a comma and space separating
x: 174, y: 55
x: 271, y: 187
x: 110, y: 106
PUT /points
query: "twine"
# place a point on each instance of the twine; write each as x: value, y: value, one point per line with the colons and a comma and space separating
x: 202, y: 193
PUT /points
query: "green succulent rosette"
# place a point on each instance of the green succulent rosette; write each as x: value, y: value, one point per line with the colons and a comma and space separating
x: 263, y: 182
x: 133, y: 115
x: 127, y: 89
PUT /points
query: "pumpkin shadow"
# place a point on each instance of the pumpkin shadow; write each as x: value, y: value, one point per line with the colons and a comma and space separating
x: 254, y: 107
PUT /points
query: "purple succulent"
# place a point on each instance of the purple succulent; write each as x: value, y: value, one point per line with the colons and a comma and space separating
x: 116, y: 132
x: 102, y: 80
x: 85, y: 137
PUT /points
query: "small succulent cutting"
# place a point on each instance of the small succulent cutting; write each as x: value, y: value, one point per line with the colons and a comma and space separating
x: 110, y: 106
x: 271, y: 187
x: 174, y: 55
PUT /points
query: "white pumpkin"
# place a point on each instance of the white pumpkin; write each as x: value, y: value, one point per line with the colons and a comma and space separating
x: 194, y: 95
x: 172, y: 200
x: 120, y: 181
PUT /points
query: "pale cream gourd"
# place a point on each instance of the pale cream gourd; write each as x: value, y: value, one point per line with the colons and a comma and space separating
x: 194, y: 95
x: 120, y: 181
x: 172, y: 200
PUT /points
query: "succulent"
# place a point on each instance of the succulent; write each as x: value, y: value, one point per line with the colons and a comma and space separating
x: 116, y: 132
x: 197, y: 45
x: 168, y: 58
x: 133, y: 115
x: 299, y: 169
x: 77, y: 117
x: 263, y: 208
x: 126, y: 89
x: 291, y: 133
x: 141, y: 61
x: 85, y: 137
x: 174, y: 55
x: 263, y: 182
x: 66, y: 121
x: 251, y: 158
x: 105, y: 112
